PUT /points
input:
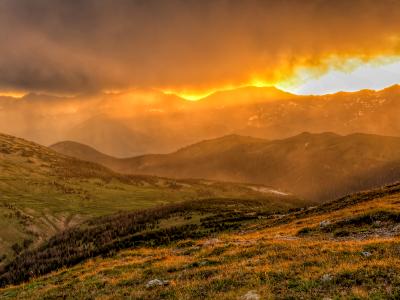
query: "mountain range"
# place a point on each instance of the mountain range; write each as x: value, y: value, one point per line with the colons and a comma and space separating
x: 318, y: 167
x: 149, y: 121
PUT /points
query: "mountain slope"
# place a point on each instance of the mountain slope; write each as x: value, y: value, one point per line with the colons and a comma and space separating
x: 315, y: 166
x: 204, y: 148
x: 100, y: 130
x: 345, y: 249
x: 83, y: 152
x: 43, y: 192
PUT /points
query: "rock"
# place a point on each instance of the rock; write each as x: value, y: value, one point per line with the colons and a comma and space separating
x: 366, y: 253
x: 250, y: 295
x: 326, y: 277
x: 157, y: 282
x: 211, y: 242
x: 324, y: 223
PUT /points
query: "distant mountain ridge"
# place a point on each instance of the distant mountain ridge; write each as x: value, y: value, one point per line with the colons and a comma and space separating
x: 83, y: 151
x: 98, y: 131
x: 147, y: 121
x: 316, y: 166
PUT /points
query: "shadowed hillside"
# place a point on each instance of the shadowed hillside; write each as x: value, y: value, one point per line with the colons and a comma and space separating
x: 83, y: 152
x: 43, y: 192
x: 315, y: 166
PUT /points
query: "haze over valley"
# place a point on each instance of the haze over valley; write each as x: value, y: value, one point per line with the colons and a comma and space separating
x: 314, y: 166
x: 143, y: 122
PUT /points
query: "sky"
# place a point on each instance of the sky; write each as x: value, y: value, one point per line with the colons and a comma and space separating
x: 192, y: 47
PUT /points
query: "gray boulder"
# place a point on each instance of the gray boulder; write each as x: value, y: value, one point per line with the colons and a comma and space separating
x: 157, y: 282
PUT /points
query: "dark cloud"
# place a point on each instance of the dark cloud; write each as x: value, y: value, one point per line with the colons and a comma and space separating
x: 88, y: 45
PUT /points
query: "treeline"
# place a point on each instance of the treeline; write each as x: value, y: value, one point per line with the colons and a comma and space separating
x: 108, y: 234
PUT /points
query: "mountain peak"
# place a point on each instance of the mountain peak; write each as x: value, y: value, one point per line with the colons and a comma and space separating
x: 246, y: 95
x: 391, y: 89
x: 84, y: 152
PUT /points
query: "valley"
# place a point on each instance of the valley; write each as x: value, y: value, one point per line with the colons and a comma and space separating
x: 43, y: 193
x: 79, y: 222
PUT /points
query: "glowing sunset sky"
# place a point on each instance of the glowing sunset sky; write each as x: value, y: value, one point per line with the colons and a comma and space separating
x: 192, y: 48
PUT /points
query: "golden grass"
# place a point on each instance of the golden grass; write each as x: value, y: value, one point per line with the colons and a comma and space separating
x: 273, y: 262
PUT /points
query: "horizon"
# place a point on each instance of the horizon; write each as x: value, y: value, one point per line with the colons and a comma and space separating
x: 194, y: 98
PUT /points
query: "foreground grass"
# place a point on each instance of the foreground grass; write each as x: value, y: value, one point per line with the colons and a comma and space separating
x: 229, y: 269
x: 267, y: 256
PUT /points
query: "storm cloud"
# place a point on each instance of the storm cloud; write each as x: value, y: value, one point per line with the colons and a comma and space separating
x: 73, y: 46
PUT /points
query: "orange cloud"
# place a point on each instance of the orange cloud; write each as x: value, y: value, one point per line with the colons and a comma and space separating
x: 189, y: 47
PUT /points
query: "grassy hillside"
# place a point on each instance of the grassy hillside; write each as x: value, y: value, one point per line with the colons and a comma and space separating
x: 315, y: 166
x: 156, y: 226
x: 43, y: 192
x: 346, y: 249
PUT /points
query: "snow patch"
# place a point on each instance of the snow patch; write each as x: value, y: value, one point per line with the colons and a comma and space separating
x: 268, y: 190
